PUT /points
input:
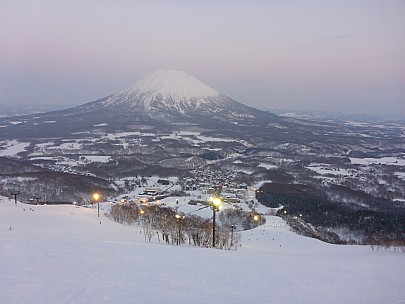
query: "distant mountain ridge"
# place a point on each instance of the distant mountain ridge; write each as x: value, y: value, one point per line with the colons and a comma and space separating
x: 20, y: 110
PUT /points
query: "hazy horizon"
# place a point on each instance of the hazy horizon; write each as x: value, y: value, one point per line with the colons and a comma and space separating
x: 338, y: 57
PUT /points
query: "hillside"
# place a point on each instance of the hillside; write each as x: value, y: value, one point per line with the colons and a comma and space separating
x: 170, y: 124
x: 62, y: 254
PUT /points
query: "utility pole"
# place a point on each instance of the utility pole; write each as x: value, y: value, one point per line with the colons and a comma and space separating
x: 15, y: 196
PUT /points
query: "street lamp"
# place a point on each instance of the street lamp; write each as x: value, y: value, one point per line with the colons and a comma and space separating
x: 96, y: 198
x: 179, y: 218
x: 215, y: 204
x: 141, y: 214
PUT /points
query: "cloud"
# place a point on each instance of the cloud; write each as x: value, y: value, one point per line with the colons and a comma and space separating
x: 335, y: 38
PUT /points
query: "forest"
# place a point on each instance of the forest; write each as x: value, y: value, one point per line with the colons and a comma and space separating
x: 311, y: 206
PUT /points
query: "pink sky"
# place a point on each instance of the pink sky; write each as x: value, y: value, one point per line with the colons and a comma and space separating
x: 339, y: 56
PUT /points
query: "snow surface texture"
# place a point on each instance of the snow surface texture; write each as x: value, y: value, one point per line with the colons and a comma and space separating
x: 62, y: 254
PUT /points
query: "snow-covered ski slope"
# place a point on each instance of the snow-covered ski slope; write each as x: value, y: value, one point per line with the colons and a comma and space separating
x: 62, y: 254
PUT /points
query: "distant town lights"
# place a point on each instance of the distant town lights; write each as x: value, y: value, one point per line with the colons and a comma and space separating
x: 179, y: 216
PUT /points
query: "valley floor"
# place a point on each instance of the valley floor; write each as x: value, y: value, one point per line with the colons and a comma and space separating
x: 66, y: 254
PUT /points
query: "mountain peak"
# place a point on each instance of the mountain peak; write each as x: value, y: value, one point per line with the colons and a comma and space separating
x: 176, y: 93
x: 176, y: 84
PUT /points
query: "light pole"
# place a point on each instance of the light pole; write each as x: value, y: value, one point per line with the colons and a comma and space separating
x: 15, y: 196
x: 232, y: 228
x: 215, y: 204
x: 141, y: 214
x: 179, y: 218
x: 96, y: 198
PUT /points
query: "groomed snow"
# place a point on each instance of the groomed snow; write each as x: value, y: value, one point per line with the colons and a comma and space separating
x: 62, y: 254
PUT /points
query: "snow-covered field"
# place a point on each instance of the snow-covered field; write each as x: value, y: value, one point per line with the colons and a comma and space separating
x: 12, y: 147
x: 393, y: 161
x: 62, y: 254
x: 325, y: 169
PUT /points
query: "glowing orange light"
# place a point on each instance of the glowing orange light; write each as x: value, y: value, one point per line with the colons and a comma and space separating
x: 96, y: 196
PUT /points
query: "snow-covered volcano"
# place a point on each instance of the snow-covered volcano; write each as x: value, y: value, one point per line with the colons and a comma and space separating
x: 167, y: 89
x: 163, y: 99
x: 168, y: 95
x: 174, y: 84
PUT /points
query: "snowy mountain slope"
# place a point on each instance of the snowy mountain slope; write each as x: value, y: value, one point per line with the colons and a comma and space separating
x: 173, y: 90
x: 176, y: 84
x: 62, y: 254
x: 169, y: 95
x: 165, y: 99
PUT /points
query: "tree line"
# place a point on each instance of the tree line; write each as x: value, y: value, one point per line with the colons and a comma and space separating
x: 173, y: 228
